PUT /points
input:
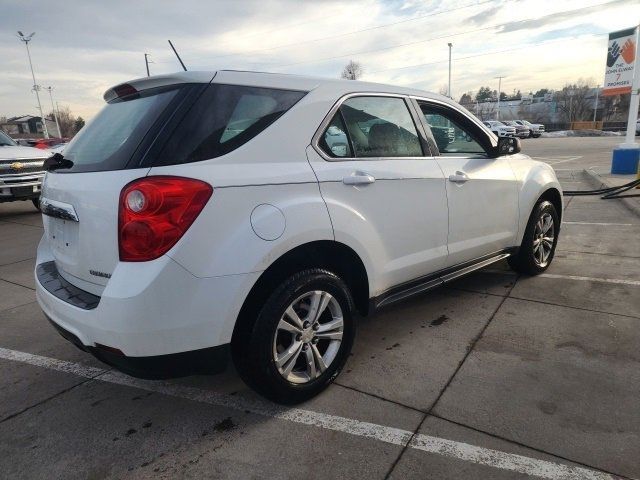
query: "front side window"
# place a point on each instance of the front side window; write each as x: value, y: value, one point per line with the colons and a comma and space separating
x: 380, y: 127
x: 451, y: 138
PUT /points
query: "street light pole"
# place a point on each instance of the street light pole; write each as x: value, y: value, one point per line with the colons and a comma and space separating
x: 53, y: 109
x: 449, y: 89
x: 499, y: 92
x: 36, y: 87
x: 595, y: 110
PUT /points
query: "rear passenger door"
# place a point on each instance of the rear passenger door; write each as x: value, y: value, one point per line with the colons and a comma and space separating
x: 384, y: 191
x: 482, y: 192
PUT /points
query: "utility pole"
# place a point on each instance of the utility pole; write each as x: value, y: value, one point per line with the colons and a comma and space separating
x: 595, y: 110
x: 499, y: 92
x: 36, y: 87
x: 53, y: 109
x: 146, y: 62
x: 449, y: 89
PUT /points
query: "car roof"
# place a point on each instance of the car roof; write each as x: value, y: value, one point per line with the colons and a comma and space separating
x: 272, y: 80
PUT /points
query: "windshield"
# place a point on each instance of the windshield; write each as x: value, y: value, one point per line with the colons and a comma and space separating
x: 109, y: 141
x: 6, y: 141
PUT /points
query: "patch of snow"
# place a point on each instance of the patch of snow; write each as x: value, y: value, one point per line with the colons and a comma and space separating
x: 581, y: 133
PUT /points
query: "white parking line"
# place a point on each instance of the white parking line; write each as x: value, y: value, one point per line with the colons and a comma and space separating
x: 591, y: 279
x: 602, y: 224
x: 395, y: 436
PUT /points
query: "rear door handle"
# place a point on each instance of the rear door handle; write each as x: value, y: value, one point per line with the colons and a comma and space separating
x: 459, y: 177
x: 358, y: 178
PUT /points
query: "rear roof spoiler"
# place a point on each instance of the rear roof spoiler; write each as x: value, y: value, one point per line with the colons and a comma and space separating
x: 145, y: 83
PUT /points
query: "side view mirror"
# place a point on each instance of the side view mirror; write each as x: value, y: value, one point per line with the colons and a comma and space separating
x: 508, y: 146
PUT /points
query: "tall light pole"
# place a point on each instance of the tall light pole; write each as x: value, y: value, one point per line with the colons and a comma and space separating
x: 449, y: 89
x: 499, y: 92
x: 595, y: 110
x: 53, y: 109
x: 26, y: 39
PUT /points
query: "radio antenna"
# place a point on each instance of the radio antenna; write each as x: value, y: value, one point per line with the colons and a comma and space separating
x: 179, y: 59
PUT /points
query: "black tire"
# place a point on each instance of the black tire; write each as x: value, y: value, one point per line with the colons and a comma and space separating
x: 526, y: 260
x: 36, y: 203
x: 254, y: 350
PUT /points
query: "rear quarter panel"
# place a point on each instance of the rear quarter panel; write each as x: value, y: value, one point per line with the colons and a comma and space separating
x: 223, y: 241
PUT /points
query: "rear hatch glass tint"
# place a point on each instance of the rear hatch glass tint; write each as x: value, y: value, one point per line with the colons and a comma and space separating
x: 112, y: 138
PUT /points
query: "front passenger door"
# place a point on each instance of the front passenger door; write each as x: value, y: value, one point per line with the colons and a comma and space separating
x: 384, y: 191
x: 482, y: 192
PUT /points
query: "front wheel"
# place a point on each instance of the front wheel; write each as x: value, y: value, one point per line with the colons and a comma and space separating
x: 300, y: 340
x: 539, y: 241
x: 36, y: 203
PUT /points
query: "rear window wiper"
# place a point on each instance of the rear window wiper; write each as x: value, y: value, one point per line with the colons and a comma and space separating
x: 57, y: 161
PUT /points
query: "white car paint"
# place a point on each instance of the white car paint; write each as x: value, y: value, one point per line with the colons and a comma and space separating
x: 14, y: 159
x: 500, y: 129
x: 410, y: 223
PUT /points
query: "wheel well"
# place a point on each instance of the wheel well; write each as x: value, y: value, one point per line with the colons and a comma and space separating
x: 333, y: 256
x: 553, y: 195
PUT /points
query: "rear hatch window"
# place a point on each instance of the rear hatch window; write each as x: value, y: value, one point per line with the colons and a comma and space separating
x: 112, y: 139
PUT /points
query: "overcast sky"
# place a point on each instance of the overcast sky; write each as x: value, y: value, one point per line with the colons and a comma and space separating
x: 81, y: 48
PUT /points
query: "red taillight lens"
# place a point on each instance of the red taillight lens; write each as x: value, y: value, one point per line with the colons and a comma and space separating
x: 155, y: 212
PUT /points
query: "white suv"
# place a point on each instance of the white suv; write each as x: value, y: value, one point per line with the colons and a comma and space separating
x: 500, y: 129
x: 202, y: 214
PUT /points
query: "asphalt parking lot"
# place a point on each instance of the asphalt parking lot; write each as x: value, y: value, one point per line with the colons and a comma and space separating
x: 496, y: 376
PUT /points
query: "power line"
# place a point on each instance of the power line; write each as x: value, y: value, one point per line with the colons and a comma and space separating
x: 529, y: 45
x: 340, y: 35
x: 391, y: 47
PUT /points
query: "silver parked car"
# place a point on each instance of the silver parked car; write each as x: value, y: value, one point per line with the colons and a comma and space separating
x: 535, y: 129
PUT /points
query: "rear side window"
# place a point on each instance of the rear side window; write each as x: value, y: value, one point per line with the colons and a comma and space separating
x: 381, y: 127
x: 222, y: 119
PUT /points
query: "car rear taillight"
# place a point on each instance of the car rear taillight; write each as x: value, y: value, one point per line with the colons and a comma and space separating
x: 155, y: 212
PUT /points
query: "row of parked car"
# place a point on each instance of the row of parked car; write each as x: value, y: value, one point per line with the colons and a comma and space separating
x: 515, y: 128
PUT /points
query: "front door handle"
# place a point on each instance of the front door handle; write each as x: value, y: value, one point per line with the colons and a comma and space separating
x: 459, y: 177
x: 359, y: 178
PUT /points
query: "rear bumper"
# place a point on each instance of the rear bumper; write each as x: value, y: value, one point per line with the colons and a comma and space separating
x: 148, y: 309
x: 205, y: 361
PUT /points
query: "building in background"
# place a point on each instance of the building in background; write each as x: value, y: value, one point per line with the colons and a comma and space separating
x: 29, y: 126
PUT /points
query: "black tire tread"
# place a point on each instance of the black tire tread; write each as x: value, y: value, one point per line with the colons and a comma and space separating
x: 250, y: 351
x: 522, y: 261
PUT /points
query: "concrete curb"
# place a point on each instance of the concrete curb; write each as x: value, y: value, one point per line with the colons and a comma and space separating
x: 599, y: 182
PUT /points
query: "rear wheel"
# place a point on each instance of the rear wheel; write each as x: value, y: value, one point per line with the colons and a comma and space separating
x: 300, y: 340
x: 539, y: 241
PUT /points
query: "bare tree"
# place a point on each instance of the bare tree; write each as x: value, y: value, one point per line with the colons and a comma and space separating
x: 573, y: 101
x: 68, y: 122
x: 352, y: 71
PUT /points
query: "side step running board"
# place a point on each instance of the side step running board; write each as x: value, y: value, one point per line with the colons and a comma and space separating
x: 436, y: 280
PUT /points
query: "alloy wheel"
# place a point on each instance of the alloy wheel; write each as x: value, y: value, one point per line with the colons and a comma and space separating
x: 543, y: 240
x: 308, y: 337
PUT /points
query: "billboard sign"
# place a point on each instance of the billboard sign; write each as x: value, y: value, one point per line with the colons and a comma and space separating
x: 621, y: 58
